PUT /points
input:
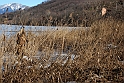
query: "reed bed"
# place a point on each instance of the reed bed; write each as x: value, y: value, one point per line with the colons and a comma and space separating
x: 82, y: 55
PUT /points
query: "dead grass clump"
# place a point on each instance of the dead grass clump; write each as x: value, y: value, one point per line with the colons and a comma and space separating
x: 93, y: 55
x: 106, y: 42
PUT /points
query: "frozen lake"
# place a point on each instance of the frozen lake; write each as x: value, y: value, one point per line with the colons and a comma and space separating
x: 9, y: 30
x: 12, y: 29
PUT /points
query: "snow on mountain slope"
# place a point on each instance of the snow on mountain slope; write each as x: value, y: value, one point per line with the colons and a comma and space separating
x: 11, y: 7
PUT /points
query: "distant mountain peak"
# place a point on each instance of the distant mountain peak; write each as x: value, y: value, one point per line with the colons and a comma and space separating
x: 11, y: 7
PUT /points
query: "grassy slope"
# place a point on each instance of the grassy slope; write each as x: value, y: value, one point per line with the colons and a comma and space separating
x: 58, y: 12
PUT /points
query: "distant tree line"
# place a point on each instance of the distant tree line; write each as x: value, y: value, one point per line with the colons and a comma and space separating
x: 64, y: 13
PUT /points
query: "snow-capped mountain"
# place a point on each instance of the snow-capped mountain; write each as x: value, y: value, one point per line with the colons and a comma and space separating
x: 11, y: 7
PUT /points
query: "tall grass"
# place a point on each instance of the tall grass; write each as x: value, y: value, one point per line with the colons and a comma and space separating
x: 98, y: 55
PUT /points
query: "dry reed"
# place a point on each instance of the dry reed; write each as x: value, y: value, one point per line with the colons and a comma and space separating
x: 97, y: 55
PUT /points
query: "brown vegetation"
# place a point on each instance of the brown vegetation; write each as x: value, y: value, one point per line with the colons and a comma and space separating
x: 21, y: 40
x: 57, y: 13
x: 84, y: 55
x: 98, y: 54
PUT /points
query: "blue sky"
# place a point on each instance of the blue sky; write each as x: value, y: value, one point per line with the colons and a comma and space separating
x: 24, y: 2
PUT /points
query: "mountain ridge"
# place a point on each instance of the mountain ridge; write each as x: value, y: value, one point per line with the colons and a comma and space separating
x: 11, y: 7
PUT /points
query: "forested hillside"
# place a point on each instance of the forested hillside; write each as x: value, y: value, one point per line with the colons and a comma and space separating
x: 65, y: 13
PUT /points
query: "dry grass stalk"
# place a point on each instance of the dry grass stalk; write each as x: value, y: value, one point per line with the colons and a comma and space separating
x: 21, y: 41
x: 97, y: 55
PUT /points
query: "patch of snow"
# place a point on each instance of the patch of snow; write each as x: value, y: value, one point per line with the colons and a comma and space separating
x: 11, y: 7
x: 27, y: 58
